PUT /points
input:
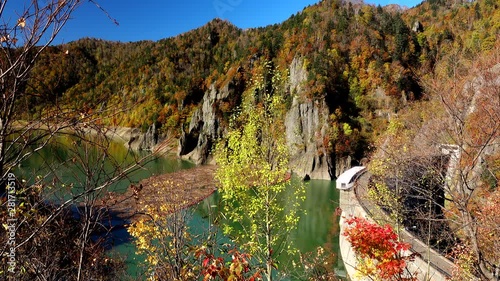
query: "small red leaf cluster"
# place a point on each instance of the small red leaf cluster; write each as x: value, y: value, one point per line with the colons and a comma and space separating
x: 379, y: 243
x: 214, y: 268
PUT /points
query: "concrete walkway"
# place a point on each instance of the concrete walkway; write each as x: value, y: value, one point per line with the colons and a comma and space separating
x: 430, y: 265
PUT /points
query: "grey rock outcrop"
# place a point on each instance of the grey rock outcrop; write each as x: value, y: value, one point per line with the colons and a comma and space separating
x: 306, y: 126
x: 306, y: 130
x: 204, y: 128
x: 417, y: 27
x: 143, y: 141
x: 133, y: 138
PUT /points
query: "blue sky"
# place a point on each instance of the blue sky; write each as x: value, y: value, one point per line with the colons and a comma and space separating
x: 157, y: 19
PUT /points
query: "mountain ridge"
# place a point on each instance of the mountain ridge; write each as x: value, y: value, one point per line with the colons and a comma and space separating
x: 359, y: 63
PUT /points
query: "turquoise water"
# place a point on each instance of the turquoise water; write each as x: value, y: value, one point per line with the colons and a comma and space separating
x: 65, y: 164
x: 316, y: 227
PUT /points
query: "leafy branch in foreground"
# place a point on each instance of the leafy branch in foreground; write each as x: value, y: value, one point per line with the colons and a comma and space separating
x: 173, y: 251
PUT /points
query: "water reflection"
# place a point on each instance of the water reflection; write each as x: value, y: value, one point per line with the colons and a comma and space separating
x: 317, y: 225
x: 70, y: 164
x: 314, y: 228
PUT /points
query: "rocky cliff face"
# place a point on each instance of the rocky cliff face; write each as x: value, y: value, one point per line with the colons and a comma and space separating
x: 134, y: 138
x: 306, y: 129
x: 306, y: 126
x: 204, y: 128
x: 145, y: 141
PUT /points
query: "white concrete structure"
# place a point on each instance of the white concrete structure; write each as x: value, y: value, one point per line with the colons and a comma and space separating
x: 347, y: 179
x: 425, y: 269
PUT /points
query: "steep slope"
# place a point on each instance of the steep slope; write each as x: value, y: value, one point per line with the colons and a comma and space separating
x: 343, y: 69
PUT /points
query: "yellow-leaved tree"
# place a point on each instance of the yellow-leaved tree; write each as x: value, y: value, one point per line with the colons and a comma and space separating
x: 252, y: 169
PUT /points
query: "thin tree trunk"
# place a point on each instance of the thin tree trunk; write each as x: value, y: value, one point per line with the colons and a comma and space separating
x: 84, y: 240
x: 269, y: 264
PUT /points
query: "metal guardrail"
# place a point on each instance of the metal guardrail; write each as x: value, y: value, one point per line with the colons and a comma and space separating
x: 414, y: 239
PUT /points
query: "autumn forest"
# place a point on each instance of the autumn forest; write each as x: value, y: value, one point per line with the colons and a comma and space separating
x: 338, y: 84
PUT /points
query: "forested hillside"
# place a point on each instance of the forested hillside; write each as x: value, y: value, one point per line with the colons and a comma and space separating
x: 412, y: 93
x: 357, y: 63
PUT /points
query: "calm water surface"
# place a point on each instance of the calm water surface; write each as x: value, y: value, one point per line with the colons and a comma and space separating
x: 315, y: 228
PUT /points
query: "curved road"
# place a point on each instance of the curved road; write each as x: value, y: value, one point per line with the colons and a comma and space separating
x: 430, y: 256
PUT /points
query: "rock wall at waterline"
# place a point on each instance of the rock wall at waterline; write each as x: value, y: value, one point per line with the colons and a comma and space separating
x: 306, y: 125
x: 144, y: 141
x: 306, y: 129
x: 134, y: 138
x: 204, y: 128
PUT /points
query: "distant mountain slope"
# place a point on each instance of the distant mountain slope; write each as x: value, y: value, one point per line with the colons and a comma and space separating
x: 350, y: 65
